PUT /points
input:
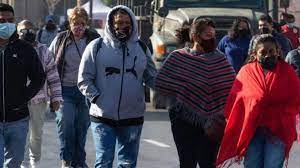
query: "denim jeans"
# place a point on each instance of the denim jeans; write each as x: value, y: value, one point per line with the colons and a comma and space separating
x: 73, y: 122
x: 264, y: 151
x: 12, y: 143
x: 122, y: 140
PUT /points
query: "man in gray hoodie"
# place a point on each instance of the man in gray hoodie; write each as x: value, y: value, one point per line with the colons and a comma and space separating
x: 111, y: 75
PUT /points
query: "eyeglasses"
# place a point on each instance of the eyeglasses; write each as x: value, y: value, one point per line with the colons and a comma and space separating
x: 25, y: 31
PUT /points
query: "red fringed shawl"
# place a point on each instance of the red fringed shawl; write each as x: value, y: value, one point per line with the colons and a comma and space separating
x: 270, y: 100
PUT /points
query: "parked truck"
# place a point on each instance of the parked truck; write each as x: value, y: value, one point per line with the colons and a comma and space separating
x: 159, y: 19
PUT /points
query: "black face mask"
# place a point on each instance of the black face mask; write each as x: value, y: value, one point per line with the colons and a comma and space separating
x: 28, y: 35
x: 282, y: 22
x: 122, y: 34
x: 208, y: 45
x: 243, y: 32
x: 50, y: 26
x: 268, y: 63
x: 264, y: 30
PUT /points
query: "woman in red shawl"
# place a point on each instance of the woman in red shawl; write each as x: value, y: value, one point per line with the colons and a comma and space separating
x: 261, y: 110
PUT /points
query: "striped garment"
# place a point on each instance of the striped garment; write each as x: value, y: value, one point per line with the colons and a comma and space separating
x: 201, y: 81
x: 52, y: 78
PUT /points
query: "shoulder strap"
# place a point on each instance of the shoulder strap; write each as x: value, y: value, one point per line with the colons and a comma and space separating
x: 143, y: 46
x: 77, y: 48
x: 99, y: 44
x: 40, y: 35
x: 60, y: 40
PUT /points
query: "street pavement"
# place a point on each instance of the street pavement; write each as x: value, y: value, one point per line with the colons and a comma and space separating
x: 157, y: 148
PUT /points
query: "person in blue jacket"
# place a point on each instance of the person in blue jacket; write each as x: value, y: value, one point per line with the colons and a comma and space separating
x: 235, y: 45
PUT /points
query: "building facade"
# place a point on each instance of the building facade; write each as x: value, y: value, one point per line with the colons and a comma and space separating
x: 36, y: 10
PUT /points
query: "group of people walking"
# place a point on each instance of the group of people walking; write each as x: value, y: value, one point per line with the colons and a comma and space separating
x: 227, y: 101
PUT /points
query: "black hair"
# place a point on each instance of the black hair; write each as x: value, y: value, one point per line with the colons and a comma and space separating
x: 198, y: 26
x: 234, y: 30
x: 6, y: 8
x: 284, y: 14
x: 267, y: 18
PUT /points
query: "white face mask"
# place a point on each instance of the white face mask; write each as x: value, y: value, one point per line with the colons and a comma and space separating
x: 6, y: 30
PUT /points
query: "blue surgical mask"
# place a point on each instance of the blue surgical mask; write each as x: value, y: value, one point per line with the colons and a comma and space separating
x: 6, y: 30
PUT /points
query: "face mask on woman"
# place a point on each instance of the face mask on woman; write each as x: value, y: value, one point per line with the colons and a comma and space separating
x: 78, y: 30
x: 28, y: 35
x: 208, y: 45
x: 268, y: 63
x: 243, y: 32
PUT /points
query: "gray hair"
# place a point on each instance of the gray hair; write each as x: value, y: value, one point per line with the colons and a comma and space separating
x: 26, y: 22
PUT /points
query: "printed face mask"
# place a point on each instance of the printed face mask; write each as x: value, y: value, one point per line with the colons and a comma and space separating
x: 78, y: 30
x: 122, y: 34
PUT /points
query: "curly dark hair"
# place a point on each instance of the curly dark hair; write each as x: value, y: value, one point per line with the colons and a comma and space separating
x: 234, y: 30
x: 198, y: 26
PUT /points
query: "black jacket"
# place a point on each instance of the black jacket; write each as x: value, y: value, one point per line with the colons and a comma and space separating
x: 18, y: 64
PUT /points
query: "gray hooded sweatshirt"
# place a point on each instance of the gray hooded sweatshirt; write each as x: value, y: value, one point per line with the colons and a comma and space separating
x: 116, y: 78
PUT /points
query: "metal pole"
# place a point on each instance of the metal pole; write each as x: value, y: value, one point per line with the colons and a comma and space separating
x: 65, y: 8
x: 275, y: 10
x: 26, y: 9
x: 91, y: 9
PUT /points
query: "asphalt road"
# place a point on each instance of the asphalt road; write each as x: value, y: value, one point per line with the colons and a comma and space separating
x: 157, y: 149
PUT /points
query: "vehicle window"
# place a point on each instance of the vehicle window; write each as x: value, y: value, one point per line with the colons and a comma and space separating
x: 216, y: 3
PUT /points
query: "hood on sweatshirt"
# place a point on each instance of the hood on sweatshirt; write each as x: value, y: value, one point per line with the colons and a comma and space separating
x: 109, y: 35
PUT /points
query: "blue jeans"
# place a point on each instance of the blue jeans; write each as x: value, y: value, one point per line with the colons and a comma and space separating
x: 12, y: 142
x: 264, y: 151
x: 73, y: 122
x: 123, y: 140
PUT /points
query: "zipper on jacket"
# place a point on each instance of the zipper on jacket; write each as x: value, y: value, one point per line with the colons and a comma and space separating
x: 62, y: 71
x: 3, y: 85
x: 123, y: 69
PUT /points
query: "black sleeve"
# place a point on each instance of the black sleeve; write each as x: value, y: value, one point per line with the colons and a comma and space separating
x: 36, y: 74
